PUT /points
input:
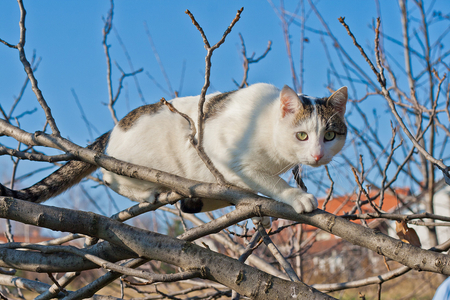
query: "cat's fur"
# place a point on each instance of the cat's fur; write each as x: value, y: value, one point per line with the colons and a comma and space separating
x: 250, y: 136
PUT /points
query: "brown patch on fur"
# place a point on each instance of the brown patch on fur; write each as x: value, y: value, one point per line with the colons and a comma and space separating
x: 216, y: 104
x: 325, y: 111
x: 130, y: 119
x: 305, y: 112
x: 330, y: 116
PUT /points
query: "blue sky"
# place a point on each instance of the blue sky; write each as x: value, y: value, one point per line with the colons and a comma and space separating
x: 67, y: 36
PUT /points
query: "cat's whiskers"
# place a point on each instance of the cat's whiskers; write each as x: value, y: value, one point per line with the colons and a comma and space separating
x: 287, y: 168
x: 331, y: 164
x: 336, y: 173
x: 284, y: 170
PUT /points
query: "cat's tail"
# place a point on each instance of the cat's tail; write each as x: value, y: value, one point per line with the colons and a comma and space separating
x: 60, y: 180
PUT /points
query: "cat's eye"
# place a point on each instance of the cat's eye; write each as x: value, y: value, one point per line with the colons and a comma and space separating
x: 329, y: 136
x: 302, y: 136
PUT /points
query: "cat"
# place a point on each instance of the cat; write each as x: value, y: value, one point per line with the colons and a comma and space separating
x: 252, y: 135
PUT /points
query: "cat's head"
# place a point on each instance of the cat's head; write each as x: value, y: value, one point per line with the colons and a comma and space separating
x: 311, y: 131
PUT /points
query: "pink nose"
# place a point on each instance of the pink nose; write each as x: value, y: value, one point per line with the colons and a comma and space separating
x: 317, y: 157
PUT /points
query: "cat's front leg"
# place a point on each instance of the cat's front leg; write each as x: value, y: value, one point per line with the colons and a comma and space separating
x: 278, y: 189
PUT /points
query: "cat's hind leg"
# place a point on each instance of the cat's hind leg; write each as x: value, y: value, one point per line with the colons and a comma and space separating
x: 196, y: 205
x: 133, y: 189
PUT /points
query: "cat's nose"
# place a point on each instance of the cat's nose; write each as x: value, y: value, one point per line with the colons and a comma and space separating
x: 317, y: 157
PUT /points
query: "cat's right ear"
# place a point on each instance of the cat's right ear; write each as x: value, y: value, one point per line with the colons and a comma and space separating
x: 289, y: 101
x: 339, y: 100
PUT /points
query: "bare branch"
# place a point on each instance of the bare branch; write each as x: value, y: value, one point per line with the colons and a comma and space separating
x: 201, y: 117
x: 58, y: 286
x: 106, y: 31
x: 30, y: 73
x: 35, y: 156
x: 250, y: 60
x: 276, y: 253
x: 391, y: 104
x: 330, y: 192
x: 127, y: 55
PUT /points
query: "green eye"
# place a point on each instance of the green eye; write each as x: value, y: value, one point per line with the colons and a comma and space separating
x: 302, y: 136
x: 329, y: 136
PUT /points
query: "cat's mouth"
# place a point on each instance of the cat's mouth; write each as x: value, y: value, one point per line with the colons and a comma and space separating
x: 316, y: 164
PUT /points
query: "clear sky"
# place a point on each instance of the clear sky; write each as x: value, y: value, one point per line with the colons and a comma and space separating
x: 67, y: 37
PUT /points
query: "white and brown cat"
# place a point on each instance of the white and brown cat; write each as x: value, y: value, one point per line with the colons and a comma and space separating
x: 252, y: 136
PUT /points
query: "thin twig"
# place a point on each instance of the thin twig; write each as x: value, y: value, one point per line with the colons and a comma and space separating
x: 388, y: 162
x: 114, y: 267
x: 35, y: 156
x: 121, y: 79
x: 30, y: 73
x: 330, y: 192
x: 106, y: 31
x: 91, y: 288
x: 143, y: 207
x: 201, y: 117
x: 250, y: 60
x: 369, y: 62
x: 130, y: 63
x: 360, y: 185
x: 23, y: 88
x: 278, y: 256
x: 59, y: 287
x: 391, y: 104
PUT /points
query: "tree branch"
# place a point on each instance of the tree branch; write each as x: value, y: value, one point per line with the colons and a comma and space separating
x: 201, y: 117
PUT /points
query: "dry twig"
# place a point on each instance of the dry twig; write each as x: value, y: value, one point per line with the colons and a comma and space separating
x: 201, y: 117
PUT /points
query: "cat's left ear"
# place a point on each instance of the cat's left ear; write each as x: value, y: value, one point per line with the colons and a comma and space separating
x: 289, y: 101
x: 339, y: 100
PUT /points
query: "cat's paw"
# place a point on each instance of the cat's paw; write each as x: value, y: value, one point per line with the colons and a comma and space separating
x: 305, y: 203
x: 265, y: 221
x: 301, y: 202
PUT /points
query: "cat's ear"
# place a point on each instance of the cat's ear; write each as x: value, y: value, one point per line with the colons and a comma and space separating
x: 289, y: 101
x: 339, y: 100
